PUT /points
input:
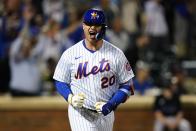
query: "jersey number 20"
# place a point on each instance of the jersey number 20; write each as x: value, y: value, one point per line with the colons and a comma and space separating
x: 107, y: 81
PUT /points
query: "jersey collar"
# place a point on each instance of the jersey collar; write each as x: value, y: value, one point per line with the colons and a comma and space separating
x: 91, y: 51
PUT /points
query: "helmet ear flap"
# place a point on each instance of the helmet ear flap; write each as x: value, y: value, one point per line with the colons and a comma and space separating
x: 101, y: 34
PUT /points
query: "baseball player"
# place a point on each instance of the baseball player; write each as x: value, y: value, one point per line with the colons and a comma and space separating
x: 94, y: 77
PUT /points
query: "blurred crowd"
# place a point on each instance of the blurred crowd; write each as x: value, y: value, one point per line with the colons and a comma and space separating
x: 157, y: 36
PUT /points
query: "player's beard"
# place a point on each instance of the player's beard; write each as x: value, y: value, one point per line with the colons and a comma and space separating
x: 93, y: 41
x: 91, y: 37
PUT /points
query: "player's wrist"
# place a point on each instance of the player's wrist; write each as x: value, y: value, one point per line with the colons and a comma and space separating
x: 107, y: 108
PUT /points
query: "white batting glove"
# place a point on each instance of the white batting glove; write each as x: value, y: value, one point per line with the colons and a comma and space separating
x: 98, y: 106
x: 76, y: 100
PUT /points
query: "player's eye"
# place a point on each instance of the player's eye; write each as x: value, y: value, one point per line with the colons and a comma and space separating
x: 91, y: 24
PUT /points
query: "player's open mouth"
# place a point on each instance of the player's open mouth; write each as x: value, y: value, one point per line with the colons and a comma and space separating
x: 92, y: 34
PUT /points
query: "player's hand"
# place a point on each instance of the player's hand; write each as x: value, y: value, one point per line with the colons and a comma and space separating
x: 104, y: 108
x: 76, y: 100
x: 98, y: 106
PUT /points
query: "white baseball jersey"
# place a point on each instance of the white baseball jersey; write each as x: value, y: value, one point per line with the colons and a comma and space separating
x: 97, y: 74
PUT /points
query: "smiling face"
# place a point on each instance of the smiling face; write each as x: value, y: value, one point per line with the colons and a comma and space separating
x: 90, y: 32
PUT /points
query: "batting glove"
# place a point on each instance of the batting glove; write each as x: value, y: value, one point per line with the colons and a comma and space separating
x: 76, y: 100
x: 104, y: 108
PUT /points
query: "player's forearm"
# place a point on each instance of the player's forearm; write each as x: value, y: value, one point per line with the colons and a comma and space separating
x: 63, y: 89
x: 120, y: 96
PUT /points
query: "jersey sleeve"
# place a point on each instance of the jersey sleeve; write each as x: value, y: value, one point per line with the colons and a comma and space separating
x: 124, y: 70
x: 62, y: 72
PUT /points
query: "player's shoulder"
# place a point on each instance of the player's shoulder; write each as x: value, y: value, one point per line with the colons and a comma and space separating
x: 74, y: 47
x: 72, y: 50
x: 112, y: 47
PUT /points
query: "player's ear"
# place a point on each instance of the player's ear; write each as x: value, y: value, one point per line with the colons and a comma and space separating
x: 83, y: 26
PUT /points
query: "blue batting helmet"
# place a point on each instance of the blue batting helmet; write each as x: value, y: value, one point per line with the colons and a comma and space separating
x: 94, y: 17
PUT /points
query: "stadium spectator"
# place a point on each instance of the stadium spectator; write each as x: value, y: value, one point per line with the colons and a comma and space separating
x: 118, y: 35
x: 156, y: 28
x: 24, y: 57
x: 168, y: 112
x: 10, y: 26
x: 54, y: 42
x: 131, y: 22
x: 142, y: 82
